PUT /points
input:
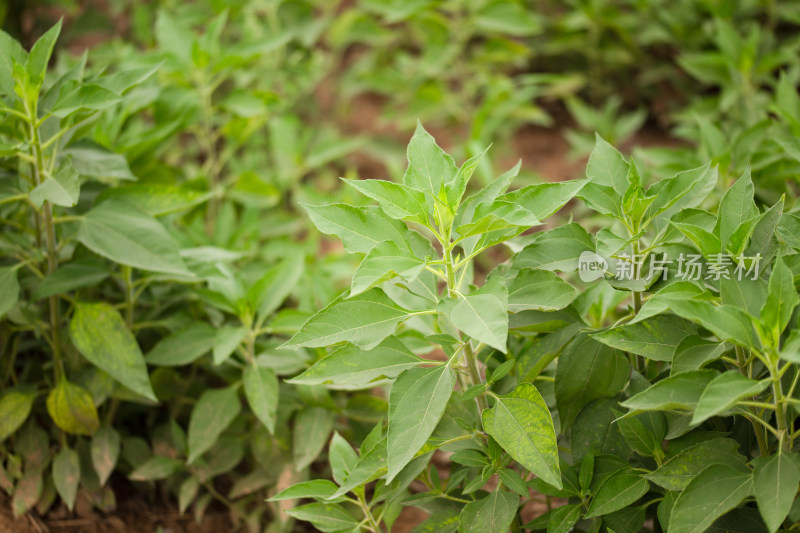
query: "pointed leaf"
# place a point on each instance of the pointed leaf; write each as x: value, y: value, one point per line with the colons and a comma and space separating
x: 359, y: 228
x: 184, y: 346
x: 105, y: 452
x: 775, y: 486
x: 99, y: 333
x: 617, y: 492
x: 495, y: 512
x: 72, y: 409
x: 67, y: 475
x: 261, y: 391
x: 214, y: 411
x: 416, y: 405
x: 521, y: 423
x: 715, y: 491
x: 723, y: 392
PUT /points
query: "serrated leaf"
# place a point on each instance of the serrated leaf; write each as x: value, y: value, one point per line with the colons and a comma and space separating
x: 359, y: 228
x: 606, y: 166
x: 101, y: 335
x: 521, y: 423
x: 351, y: 367
x: 416, y: 404
x: 261, y: 391
x: 72, y: 409
x: 429, y: 167
x: 397, y: 201
x: 384, y: 262
x: 214, y: 411
x: 364, y: 320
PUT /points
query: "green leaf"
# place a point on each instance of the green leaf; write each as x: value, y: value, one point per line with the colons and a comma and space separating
x: 105, y: 452
x: 602, y: 198
x: 723, y: 392
x: 364, y: 320
x: 68, y: 277
x: 726, y: 322
x: 644, y: 439
x: 654, y: 338
x: 214, y: 411
x: 684, y: 190
x: 326, y: 517
x: 156, y: 468
x: 736, y: 207
x: 695, y: 352
x: 312, y: 427
x: 226, y: 340
x: 121, y: 232
x: 617, y: 492
x: 72, y: 409
x: 155, y: 199
x: 495, y: 512
x: 15, y: 406
x: 456, y: 189
x: 781, y: 300
x: 564, y: 518
x: 397, y: 201
x: 187, y: 493
x: 540, y: 290
x: 681, y: 391
x: 39, y: 57
x: 183, y: 347
x: 384, y: 262
x: 416, y: 405
x: 261, y: 391
x: 67, y: 475
x: 314, y: 488
x: 704, y: 240
x: 677, y: 472
x: 269, y: 292
x: 61, y: 189
x: 715, y: 491
x: 350, y: 367
x: 662, y: 300
x: 99, y: 333
x: 359, y: 228
x: 96, y: 161
x: 342, y: 458
x: 607, y: 167
x: 76, y: 96
x: 775, y: 481
x: 484, y: 316
x: 587, y: 370
x: 429, y: 167
x: 9, y: 289
x: 557, y: 249
x: 521, y: 423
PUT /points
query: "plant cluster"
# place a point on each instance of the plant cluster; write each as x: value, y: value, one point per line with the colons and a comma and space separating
x: 174, y: 314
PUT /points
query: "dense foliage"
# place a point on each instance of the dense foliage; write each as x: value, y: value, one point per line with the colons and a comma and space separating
x: 191, y: 299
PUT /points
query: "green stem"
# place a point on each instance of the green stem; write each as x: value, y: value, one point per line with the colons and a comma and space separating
x: 50, y: 238
x: 742, y: 365
x: 780, y: 411
x: 373, y: 525
x: 130, y: 296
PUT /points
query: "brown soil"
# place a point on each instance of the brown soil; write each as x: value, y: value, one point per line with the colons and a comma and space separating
x: 132, y: 516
